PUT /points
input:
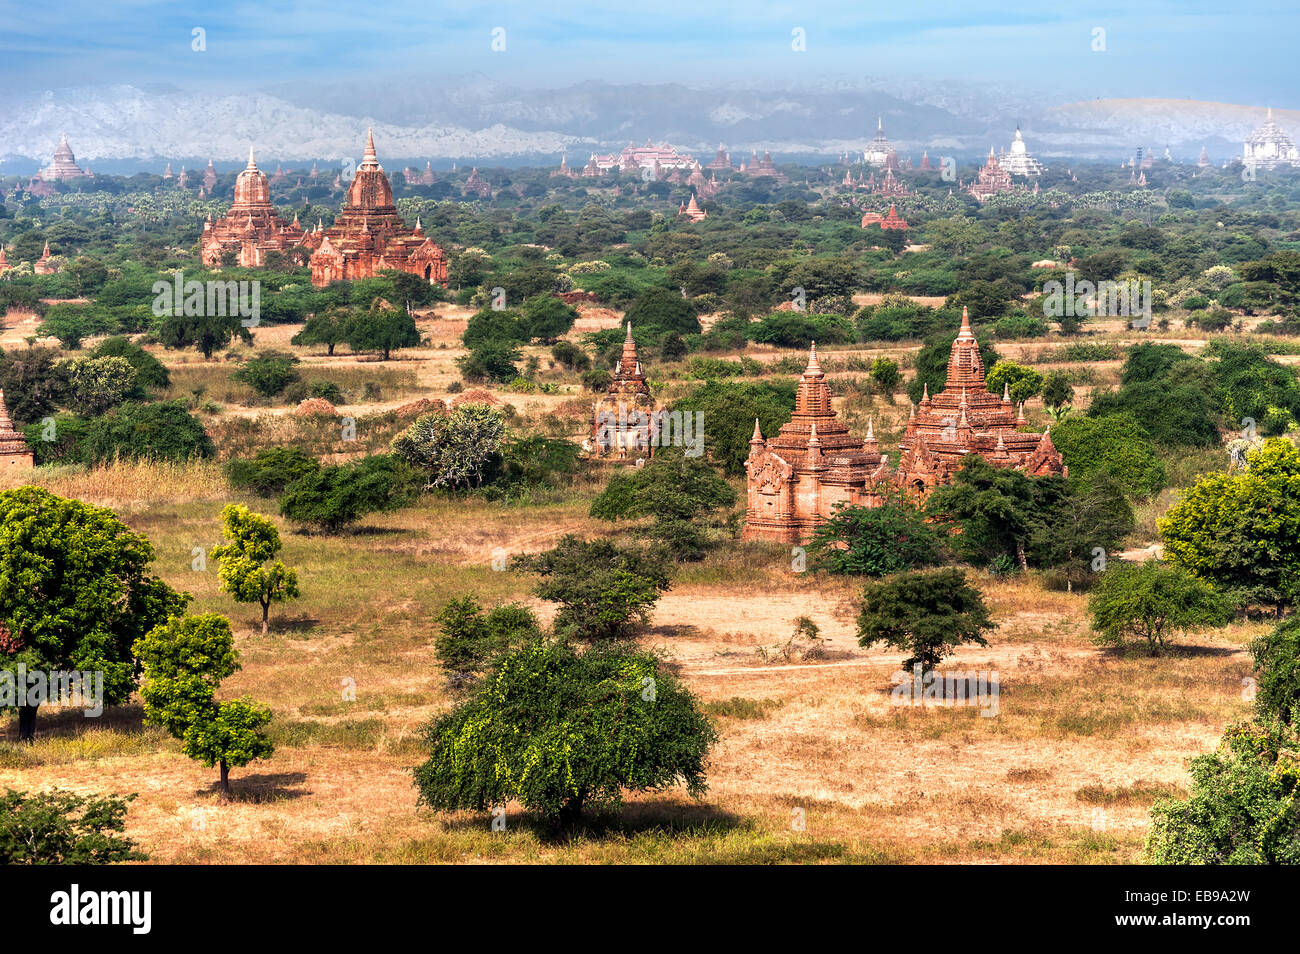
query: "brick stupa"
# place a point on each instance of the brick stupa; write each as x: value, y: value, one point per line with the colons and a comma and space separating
x: 620, y: 419
x: 252, y: 227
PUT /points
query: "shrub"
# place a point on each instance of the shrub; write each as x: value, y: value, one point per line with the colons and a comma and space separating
x: 928, y: 614
x: 333, y: 497
x: 875, y: 541
x: 1153, y: 602
x: 469, y: 640
x: 268, y: 373
x: 1116, y: 447
x: 63, y: 828
x: 271, y: 470
x: 454, y: 450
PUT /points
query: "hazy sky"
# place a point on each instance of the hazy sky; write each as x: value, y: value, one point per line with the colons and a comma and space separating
x: 1242, y: 51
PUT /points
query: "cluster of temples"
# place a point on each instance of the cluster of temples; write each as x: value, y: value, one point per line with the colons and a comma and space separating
x: 813, y: 465
x: 368, y: 236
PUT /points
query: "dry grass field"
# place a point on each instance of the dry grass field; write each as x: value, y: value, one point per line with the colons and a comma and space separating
x: 814, y: 763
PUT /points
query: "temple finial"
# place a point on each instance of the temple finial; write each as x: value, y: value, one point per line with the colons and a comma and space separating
x: 758, y: 434
x: 370, y: 146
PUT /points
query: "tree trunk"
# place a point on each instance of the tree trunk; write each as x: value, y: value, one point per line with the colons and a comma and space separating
x: 570, y: 812
x: 27, y: 724
x: 266, y: 616
x: 225, y: 781
x: 1020, y: 555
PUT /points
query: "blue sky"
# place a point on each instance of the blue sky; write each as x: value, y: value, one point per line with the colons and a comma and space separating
x: 1228, y: 51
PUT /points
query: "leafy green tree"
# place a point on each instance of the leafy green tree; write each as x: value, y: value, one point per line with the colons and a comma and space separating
x: 75, y: 592
x: 71, y: 323
x: 1114, y: 447
x: 271, y: 470
x: 454, y: 449
x: 998, y: 510
x: 1075, y: 531
x: 184, y: 661
x: 1023, y: 382
x: 268, y: 373
x: 1057, y: 392
x: 1243, y: 808
x: 605, y: 591
x: 876, y: 541
x: 1177, y: 408
x: 329, y: 328
x: 490, y: 361
x: 886, y: 376
x: 334, y: 497
x: 1152, y: 601
x: 469, y: 640
x: 1241, y: 531
x: 1250, y: 385
x: 727, y: 410
x: 384, y: 330
x: 164, y: 430
x: 674, y: 489
x: 150, y: 373
x: 34, y: 381
x: 1277, y: 661
x: 249, y: 569
x: 546, y: 318
x: 928, y: 614
x: 660, y: 311
x: 498, y: 327
x: 97, y: 384
x: 559, y: 730
x: 205, y: 332
x: 63, y: 828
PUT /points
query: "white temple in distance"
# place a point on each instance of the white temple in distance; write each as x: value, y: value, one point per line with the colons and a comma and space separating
x: 1269, y: 147
x: 1018, y: 161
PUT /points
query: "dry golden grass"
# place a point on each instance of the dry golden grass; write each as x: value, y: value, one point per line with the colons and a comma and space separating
x: 127, y: 484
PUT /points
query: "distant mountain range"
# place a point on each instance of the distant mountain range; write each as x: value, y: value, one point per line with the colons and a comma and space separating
x: 476, y: 119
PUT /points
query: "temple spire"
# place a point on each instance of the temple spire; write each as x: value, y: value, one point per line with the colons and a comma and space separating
x: 758, y: 434
x: 813, y: 366
x: 252, y: 163
x: 370, y: 147
x: 965, y: 334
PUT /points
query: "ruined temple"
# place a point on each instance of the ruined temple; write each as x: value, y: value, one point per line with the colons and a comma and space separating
x: 797, y: 479
x: 369, y: 237
x: 14, y: 451
x: 621, y: 418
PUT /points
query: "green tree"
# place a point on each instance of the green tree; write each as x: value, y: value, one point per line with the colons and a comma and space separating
x: 559, y: 730
x: 150, y: 373
x: 886, y: 376
x: 1244, y: 806
x: 268, y: 373
x: 1023, y: 382
x: 1154, y: 602
x: 334, y: 497
x: 876, y: 541
x: 205, y: 332
x: 382, y: 329
x: 546, y: 318
x: 63, y: 828
x: 184, y: 661
x: 1241, y: 531
x: 75, y: 592
x: 490, y: 361
x: 271, y: 470
x: 1057, y: 392
x: 660, y: 311
x: 97, y: 384
x: 728, y: 409
x: 1114, y: 447
x: 249, y: 569
x: 928, y: 614
x: 329, y: 328
x: 455, y: 449
x: 604, y: 590
x: 469, y: 640
x: 1277, y: 662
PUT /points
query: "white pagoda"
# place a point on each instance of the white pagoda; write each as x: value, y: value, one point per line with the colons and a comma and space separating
x: 878, y: 150
x: 1018, y: 161
x: 1269, y: 147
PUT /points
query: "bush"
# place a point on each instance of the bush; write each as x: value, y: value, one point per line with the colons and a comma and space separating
x: 455, y: 449
x: 928, y: 614
x: 268, y: 373
x: 62, y: 828
x: 162, y: 431
x: 1277, y: 661
x: 150, y: 373
x: 790, y: 329
x: 333, y: 497
x: 271, y: 470
x: 1243, y: 808
x: 557, y: 731
x: 469, y: 640
x: 490, y: 361
x: 1116, y: 447
x: 1153, y: 602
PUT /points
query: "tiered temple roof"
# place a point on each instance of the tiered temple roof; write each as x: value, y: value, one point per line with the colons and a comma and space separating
x: 14, y: 451
x: 991, y: 180
x: 1018, y: 162
x: 64, y: 165
x: 620, y: 419
x: 369, y: 236
x: 252, y: 225
x: 1269, y: 147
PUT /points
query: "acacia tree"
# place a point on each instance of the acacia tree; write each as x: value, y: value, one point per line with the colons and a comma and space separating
x: 184, y: 661
x: 929, y: 614
x: 1152, y: 601
x: 330, y: 328
x: 558, y: 730
x: 75, y: 593
x: 382, y: 329
x: 249, y: 569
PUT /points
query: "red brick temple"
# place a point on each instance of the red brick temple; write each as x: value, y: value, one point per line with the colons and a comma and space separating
x: 621, y: 418
x: 252, y: 227
x: 991, y: 180
x: 797, y: 479
x: 369, y: 237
